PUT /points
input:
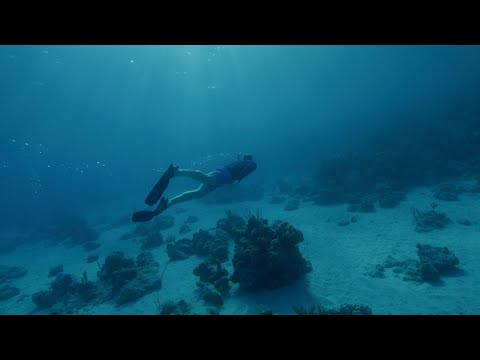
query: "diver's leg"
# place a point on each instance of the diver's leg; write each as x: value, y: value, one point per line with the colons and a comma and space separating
x: 206, y: 179
x: 195, y: 175
x: 201, y: 191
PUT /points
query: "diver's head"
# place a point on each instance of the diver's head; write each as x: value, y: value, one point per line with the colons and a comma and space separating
x: 241, y: 168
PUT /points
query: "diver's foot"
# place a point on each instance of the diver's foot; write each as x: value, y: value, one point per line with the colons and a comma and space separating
x: 162, y: 206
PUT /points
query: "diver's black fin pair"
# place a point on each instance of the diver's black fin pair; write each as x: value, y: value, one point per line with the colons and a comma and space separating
x: 154, y: 196
x: 160, y: 186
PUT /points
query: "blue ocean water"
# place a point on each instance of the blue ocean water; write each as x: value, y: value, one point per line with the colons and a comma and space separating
x: 88, y: 130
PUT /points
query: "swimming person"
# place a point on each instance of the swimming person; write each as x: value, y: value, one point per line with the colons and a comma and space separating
x: 228, y: 174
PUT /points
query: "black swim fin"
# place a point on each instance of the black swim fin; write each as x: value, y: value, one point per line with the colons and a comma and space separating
x: 162, y: 205
x: 144, y: 216
x: 160, y: 186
